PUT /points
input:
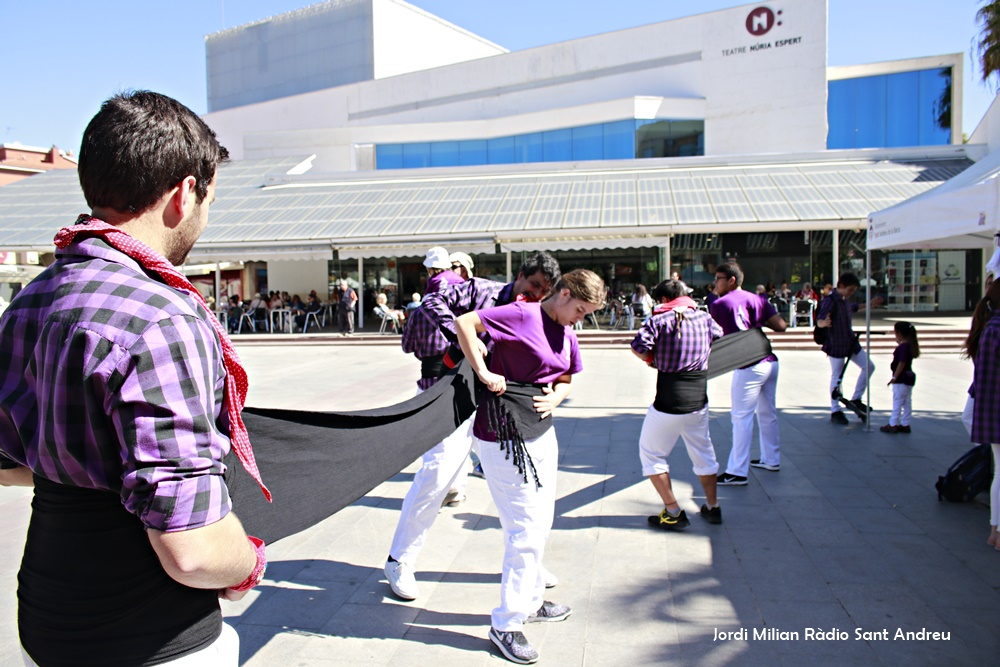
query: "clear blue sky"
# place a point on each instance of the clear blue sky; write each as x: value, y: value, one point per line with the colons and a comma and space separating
x: 63, y: 57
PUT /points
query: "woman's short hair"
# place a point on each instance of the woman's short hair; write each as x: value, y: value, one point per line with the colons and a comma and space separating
x: 582, y: 284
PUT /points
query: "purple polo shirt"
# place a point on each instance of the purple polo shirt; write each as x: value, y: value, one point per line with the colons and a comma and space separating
x: 112, y: 380
x: 528, y: 347
x: 740, y: 310
x: 680, y: 339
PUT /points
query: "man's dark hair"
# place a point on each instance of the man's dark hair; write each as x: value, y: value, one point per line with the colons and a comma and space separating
x: 848, y: 279
x: 544, y: 262
x: 139, y: 146
x: 669, y: 290
x: 731, y: 270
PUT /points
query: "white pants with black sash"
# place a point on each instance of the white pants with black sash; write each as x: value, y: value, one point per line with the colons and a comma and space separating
x: 526, y: 513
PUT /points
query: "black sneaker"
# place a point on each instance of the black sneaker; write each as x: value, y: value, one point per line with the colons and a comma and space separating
x: 727, y: 479
x: 514, y: 646
x: 711, y: 514
x: 904, y: 429
x: 757, y: 463
x: 838, y: 417
x: 549, y: 612
x: 667, y: 522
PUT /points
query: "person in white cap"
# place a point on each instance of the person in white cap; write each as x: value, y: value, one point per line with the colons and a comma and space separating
x: 439, y: 273
x: 462, y: 264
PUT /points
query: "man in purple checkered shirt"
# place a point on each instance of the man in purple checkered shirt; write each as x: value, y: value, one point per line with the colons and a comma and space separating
x: 676, y: 341
x: 112, y: 407
x: 443, y: 463
x: 842, y: 344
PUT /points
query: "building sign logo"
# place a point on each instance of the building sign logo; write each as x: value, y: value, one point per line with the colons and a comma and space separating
x: 760, y: 21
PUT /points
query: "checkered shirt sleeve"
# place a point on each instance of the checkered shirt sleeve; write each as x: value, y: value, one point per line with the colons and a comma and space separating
x: 421, y: 336
x: 678, y: 349
x: 455, y: 300
x: 115, y: 381
x: 986, y: 383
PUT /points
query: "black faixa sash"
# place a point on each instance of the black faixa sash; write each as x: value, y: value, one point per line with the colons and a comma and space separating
x: 681, y: 392
x: 317, y: 463
x: 513, y: 421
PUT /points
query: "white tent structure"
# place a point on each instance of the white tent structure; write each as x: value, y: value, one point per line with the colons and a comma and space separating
x: 961, y: 213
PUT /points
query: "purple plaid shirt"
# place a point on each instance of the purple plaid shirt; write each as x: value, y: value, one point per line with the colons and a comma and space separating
x: 422, y: 339
x: 475, y: 294
x: 680, y: 340
x: 112, y: 380
x: 986, y: 382
x: 840, y: 339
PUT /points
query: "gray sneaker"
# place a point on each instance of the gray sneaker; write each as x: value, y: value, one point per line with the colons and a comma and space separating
x: 549, y: 612
x: 514, y: 646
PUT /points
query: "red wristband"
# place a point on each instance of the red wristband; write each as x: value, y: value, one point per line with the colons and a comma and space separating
x: 257, y: 574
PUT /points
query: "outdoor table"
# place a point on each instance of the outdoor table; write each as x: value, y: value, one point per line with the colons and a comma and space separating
x: 284, y: 320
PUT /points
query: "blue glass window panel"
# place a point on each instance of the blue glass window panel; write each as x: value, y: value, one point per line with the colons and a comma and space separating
x: 416, y: 155
x: 389, y: 156
x: 444, y: 153
x: 687, y: 137
x: 473, y: 151
x: 903, y: 100
x: 933, y: 86
x: 619, y: 140
x: 557, y: 145
x: 528, y: 147
x: 588, y: 142
x: 501, y: 150
x: 840, y: 113
x: 870, y: 112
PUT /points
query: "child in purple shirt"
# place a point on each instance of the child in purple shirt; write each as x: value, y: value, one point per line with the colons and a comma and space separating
x: 535, y: 354
x: 903, y: 377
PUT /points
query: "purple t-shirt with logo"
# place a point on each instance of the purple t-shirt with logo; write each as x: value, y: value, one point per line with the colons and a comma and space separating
x: 740, y: 310
x: 529, y: 347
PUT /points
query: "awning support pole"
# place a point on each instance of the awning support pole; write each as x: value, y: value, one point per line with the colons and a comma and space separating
x: 509, y: 278
x: 868, y: 337
x: 361, y: 293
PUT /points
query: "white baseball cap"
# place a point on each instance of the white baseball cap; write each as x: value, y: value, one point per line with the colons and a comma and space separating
x: 463, y: 259
x: 437, y: 258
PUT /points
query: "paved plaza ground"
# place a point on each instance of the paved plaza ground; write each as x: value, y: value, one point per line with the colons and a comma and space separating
x: 848, y: 537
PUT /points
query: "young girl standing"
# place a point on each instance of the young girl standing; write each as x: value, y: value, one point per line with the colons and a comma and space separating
x: 903, y: 378
x: 535, y: 354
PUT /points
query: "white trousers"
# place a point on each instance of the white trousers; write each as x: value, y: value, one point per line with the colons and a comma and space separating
x: 995, y: 488
x: 660, y: 431
x: 526, y: 513
x: 860, y: 360
x: 901, y: 405
x: 967, y: 414
x: 754, y: 391
x: 223, y: 652
x: 443, y: 467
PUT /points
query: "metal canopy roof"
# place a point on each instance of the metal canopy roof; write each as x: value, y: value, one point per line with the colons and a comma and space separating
x: 555, y: 206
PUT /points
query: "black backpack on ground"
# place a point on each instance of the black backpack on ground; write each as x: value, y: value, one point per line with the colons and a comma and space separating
x: 971, y: 474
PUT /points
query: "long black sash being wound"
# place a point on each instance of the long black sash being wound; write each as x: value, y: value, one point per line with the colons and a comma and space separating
x: 433, y: 367
x: 681, y: 392
x: 317, y: 463
x: 513, y: 420
x: 737, y: 350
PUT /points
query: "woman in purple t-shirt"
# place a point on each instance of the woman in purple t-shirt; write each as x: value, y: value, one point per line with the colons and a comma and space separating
x: 535, y: 354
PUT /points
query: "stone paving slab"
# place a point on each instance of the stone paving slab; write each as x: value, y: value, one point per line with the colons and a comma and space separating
x: 848, y: 536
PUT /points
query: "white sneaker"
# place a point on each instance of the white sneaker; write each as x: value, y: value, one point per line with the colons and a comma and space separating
x: 401, y: 580
x: 551, y: 580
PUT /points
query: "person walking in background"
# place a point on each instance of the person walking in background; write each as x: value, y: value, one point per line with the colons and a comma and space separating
x: 120, y: 400
x: 842, y: 345
x: 983, y: 347
x: 535, y: 354
x: 642, y: 301
x: 903, y: 377
x: 676, y: 342
x: 754, y: 388
x: 346, y: 299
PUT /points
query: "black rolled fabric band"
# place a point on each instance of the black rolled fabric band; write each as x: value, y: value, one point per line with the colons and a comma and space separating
x: 432, y: 367
x: 682, y: 392
x: 317, y: 463
x: 737, y: 350
x: 513, y: 421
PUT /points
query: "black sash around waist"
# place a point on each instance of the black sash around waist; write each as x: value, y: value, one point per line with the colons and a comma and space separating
x: 432, y: 367
x: 91, y: 590
x: 513, y: 421
x: 681, y: 392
